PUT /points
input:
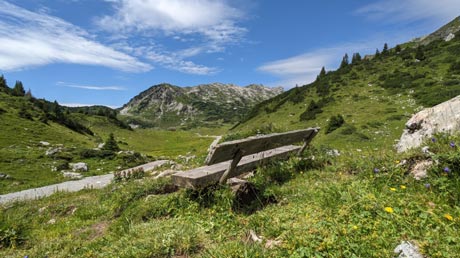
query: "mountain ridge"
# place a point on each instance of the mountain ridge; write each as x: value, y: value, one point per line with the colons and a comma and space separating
x: 167, y: 105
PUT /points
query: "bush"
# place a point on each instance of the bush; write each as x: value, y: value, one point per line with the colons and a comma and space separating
x: 335, y: 122
x: 126, y: 175
x: 312, y: 110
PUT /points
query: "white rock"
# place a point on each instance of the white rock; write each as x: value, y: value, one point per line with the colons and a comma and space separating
x: 407, y: 250
x: 72, y: 175
x: 52, y: 151
x: 43, y: 143
x: 449, y: 37
x: 441, y: 118
x: 419, y: 171
x: 79, y: 167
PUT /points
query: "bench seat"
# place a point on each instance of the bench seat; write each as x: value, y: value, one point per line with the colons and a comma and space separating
x: 207, y: 175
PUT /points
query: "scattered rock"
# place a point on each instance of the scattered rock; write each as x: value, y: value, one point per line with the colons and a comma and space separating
x: 270, y: 244
x: 440, y: 118
x: 333, y: 153
x: 51, y: 221
x: 100, y: 145
x: 449, y: 37
x: 253, y: 237
x: 426, y: 150
x: 52, y: 151
x: 42, y: 209
x: 4, y: 176
x: 79, y: 167
x: 43, y: 143
x: 419, y: 171
x: 72, y: 175
x: 407, y: 250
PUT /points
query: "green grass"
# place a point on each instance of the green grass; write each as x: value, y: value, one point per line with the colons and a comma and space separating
x: 335, y: 207
x: 385, y: 90
x: 23, y: 157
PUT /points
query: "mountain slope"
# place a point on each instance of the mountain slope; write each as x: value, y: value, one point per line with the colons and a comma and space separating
x: 166, y: 105
x: 374, y: 96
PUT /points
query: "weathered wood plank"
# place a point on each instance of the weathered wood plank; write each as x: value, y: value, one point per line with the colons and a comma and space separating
x: 227, y: 150
x: 207, y: 175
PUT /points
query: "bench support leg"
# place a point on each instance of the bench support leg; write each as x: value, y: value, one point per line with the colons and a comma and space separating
x: 235, y: 161
x: 307, y: 141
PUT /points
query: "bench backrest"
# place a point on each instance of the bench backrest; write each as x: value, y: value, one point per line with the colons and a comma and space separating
x: 227, y: 150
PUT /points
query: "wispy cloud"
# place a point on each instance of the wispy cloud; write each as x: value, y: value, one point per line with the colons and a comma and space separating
x: 411, y: 10
x: 214, y: 19
x: 85, y: 105
x: 303, y: 69
x: 91, y: 87
x: 170, y: 60
x: 30, y: 39
x: 208, y: 26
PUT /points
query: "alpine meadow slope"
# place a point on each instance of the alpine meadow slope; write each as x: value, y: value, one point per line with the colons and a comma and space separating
x: 366, y: 102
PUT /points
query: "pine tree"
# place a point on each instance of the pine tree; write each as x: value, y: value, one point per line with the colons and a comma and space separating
x: 18, y: 89
x: 345, y: 61
x: 321, y: 74
x: 111, y: 144
x: 356, y: 58
x: 398, y: 48
x: 419, y: 54
x: 3, y: 86
x: 377, y: 53
x: 29, y: 94
x: 385, y: 49
x: 58, y: 112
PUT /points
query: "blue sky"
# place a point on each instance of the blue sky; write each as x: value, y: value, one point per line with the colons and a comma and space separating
x: 84, y: 52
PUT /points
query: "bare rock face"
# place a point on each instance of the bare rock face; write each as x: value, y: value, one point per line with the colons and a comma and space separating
x: 444, y: 117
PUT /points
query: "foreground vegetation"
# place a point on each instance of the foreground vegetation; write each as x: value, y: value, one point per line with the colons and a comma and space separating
x: 29, y: 133
x: 357, y: 204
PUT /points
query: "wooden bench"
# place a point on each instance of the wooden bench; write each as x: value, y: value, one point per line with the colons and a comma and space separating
x: 231, y: 159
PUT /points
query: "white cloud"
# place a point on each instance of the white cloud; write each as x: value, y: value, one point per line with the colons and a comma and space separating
x: 175, y: 62
x: 91, y: 87
x: 33, y: 39
x: 214, y: 22
x: 86, y: 105
x: 303, y: 69
x: 411, y: 10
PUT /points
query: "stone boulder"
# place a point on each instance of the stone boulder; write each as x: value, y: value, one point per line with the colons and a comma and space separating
x: 444, y: 117
x: 79, y: 167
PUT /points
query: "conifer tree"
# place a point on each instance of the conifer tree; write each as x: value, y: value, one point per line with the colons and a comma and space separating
x: 356, y: 58
x: 345, y: 61
x: 385, y: 49
x: 398, y: 48
x: 322, y: 73
x: 419, y: 54
x: 18, y: 89
x: 111, y: 144
x: 29, y: 94
x: 377, y: 53
x: 3, y: 85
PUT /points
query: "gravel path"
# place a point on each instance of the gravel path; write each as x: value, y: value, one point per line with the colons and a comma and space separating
x: 94, y: 182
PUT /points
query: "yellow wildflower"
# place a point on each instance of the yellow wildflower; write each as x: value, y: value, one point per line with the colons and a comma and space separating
x: 389, y: 209
x: 355, y: 227
x: 393, y: 189
x: 397, y: 161
x: 448, y: 217
x: 403, y: 187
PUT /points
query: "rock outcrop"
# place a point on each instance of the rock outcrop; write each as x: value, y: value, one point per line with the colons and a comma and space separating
x: 444, y: 117
x: 171, y: 105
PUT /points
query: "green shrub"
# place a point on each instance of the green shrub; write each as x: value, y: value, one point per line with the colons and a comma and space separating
x: 335, y: 122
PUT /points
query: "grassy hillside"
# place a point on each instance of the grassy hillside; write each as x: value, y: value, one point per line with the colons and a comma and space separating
x: 23, y: 126
x: 356, y: 205
x: 375, y: 96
